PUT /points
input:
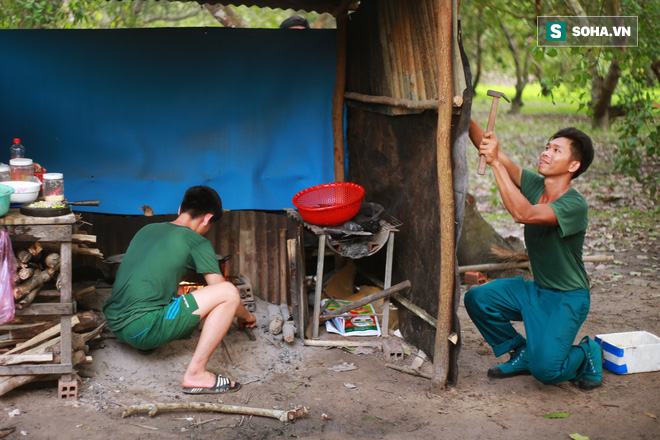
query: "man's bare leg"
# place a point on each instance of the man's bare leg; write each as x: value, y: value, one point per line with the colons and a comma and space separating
x: 218, y: 304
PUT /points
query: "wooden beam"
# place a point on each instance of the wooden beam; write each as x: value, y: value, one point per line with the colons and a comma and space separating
x: 446, y: 192
x: 429, y: 104
x: 338, y: 97
x: 525, y: 264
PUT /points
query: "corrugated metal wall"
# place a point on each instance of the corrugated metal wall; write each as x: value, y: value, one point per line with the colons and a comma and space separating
x: 252, y: 238
x: 402, y: 45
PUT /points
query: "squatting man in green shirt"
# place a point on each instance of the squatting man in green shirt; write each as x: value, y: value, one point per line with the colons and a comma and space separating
x: 554, y: 305
x: 145, y: 309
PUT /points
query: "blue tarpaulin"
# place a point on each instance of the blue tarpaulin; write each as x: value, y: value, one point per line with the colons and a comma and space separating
x: 134, y: 117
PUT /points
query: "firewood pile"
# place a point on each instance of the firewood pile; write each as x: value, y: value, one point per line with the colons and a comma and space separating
x: 37, y: 341
x: 32, y: 338
x: 39, y: 264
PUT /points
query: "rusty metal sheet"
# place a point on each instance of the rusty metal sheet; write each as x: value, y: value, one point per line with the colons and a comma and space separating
x: 396, y: 41
x: 251, y: 238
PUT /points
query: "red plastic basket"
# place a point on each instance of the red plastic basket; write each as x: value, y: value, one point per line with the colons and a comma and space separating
x: 329, y: 204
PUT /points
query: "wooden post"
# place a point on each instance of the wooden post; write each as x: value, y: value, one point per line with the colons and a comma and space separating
x: 338, y: 96
x: 319, y: 286
x: 446, y: 190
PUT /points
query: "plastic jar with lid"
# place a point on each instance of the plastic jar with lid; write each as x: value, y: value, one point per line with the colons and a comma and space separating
x: 21, y: 169
x: 53, y: 187
x: 5, y: 172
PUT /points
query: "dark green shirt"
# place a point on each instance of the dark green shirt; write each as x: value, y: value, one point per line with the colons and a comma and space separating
x: 555, y: 252
x: 157, y: 260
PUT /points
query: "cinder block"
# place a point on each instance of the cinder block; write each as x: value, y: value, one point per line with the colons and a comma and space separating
x: 67, y: 389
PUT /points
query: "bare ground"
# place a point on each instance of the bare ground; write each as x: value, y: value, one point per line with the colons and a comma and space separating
x: 372, y: 400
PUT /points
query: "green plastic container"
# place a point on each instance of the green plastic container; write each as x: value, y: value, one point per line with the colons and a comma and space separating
x: 5, y: 194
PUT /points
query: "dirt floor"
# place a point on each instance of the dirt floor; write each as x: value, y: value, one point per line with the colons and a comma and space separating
x: 354, y: 394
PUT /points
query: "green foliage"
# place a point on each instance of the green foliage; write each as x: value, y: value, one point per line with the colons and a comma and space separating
x: 101, y: 14
x: 636, y: 96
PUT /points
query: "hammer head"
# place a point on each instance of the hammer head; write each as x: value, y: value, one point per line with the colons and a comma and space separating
x: 495, y: 94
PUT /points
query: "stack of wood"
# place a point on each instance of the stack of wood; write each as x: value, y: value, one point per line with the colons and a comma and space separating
x: 36, y: 340
x: 38, y: 264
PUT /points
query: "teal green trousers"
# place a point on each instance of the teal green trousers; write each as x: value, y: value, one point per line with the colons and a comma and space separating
x: 551, y: 319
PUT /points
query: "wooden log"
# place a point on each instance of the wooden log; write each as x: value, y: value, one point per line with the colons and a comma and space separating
x: 86, y: 321
x: 39, y: 277
x: 275, y: 320
x: 386, y: 293
x: 25, y: 273
x: 52, y: 259
x: 27, y: 300
x: 289, y: 331
x: 154, y: 408
x: 35, y: 250
x: 23, y: 256
x: 446, y: 196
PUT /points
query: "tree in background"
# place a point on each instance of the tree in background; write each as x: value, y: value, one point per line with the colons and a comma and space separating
x: 99, y: 14
x: 618, y: 88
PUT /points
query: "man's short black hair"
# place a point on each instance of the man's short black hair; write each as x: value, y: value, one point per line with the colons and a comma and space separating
x: 201, y: 200
x: 582, y: 149
x: 294, y: 21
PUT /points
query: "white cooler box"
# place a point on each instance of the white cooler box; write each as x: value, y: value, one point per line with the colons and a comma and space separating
x: 630, y: 352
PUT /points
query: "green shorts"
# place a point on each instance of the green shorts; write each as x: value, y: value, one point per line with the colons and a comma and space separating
x: 153, y: 329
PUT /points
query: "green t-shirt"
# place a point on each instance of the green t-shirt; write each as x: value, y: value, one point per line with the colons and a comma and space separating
x: 555, y: 252
x: 157, y: 260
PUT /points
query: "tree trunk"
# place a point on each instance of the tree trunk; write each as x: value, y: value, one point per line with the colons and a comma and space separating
x: 601, y: 107
x: 227, y: 16
x: 478, y: 237
x: 522, y: 70
x: 602, y: 89
x: 478, y: 63
x: 656, y: 69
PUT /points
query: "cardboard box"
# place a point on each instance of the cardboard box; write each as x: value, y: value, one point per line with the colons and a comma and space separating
x: 630, y: 352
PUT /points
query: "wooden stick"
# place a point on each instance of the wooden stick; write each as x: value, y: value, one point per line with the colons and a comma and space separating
x: 42, y: 336
x: 429, y: 104
x: 154, y: 408
x: 337, y: 113
x: 525, y: 264
x: 371, y: 298
x: 83, y: 238
x: 409, y: 371
x: 12, y: 359
x: 340, y: 343
x: 415, y: 309
x: 446, y: 196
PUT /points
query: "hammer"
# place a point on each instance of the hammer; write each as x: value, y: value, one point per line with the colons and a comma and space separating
x: 491, y: 123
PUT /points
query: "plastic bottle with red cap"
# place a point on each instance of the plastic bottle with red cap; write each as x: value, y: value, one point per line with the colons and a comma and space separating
x: 17, y: 150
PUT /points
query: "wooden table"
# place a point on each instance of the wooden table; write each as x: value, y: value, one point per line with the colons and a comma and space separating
x: 22, y: 228
x: 385, y: 236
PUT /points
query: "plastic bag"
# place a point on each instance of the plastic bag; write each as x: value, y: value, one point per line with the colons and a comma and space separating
x: 7, y: 275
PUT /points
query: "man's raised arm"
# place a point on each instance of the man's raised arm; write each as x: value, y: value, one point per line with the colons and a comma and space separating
x: 514, y: 171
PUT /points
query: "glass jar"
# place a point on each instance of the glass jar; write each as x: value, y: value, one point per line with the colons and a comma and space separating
x: 5, y: 172
x: 53, y: 187
x: 21, y: 169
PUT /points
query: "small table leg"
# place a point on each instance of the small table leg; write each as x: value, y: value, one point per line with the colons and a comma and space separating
x: 319, y: 286
x: 385, y: 321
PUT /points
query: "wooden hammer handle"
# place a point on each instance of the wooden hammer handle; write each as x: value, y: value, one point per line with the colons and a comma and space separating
x: 491, y: 124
